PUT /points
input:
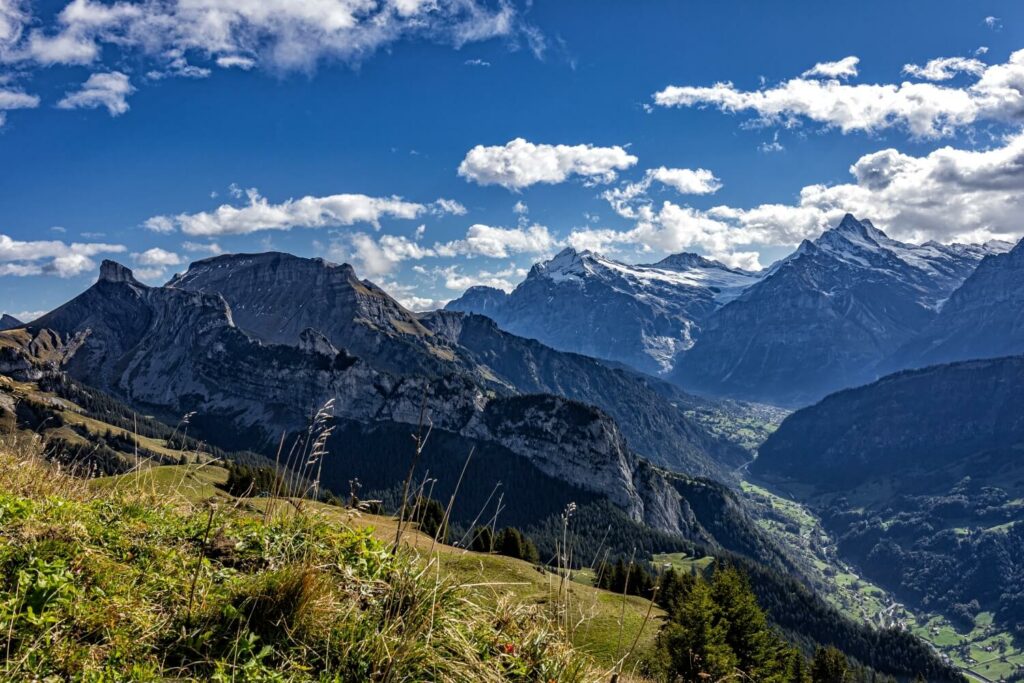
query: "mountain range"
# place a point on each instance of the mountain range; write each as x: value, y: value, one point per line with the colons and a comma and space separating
x: 833, y: 314
x: 174, y: 350
x: 984, y: 318
x: 643, y: 316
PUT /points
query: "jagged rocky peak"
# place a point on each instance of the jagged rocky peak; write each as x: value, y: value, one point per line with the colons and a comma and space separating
x: 567, y: 263
x: 112, y: 271
x: 689, y: 261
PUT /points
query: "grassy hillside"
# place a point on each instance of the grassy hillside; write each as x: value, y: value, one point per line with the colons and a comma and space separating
x: 159, y: 574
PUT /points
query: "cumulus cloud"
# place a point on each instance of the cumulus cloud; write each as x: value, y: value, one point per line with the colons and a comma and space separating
x: 927, y: 110
x: 687, y: 180
x: 157, y: 257
x: 945, y: 68
x: 14, y: 15
x: 307, y: 212
x: 496, y: 242
x: 624, y: 199
x: 187, y: 38
x: 947, y: 195
x: 280, y: 34
x: 456, y: 280
x: 381, y: 255
x: 109, y: 90
x: 844, y: 68
x: 519, y: 164
x: 50, y: 257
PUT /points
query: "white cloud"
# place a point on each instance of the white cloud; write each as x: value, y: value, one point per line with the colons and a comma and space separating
x: 153, y: 275
x: 994, y: 23
x: 925, y: 109
x: 28, y: 316
x: 768, y: 147
x: 477, y: 62
x: 945, y: 68
x: 519, y: 164
x: 420, y: 304
x: 844, y: 68
x: 381, y: 255
x: 157, y: 257
x: 15, y: 99
x: 236, y: 62
x: 449, y: 206
x: 374, y: 257
x: 50, y: 257
x: 496, y: 242
x: 947, y: 195
x: 456, y: 280
x: 306, y: 212
x: 186, y: 38
x: 14, y: 15
x: 108, y: 90
x: 282, y: 35
x: 687, y: 180
x: 161, y: 224
x: 211, y: 248
x: 624, y: 199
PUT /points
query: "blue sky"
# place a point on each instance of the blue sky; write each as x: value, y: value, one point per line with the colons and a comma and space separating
x: 160, y: 132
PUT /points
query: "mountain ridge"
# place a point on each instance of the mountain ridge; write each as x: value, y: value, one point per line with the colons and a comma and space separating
x: 825, y: 317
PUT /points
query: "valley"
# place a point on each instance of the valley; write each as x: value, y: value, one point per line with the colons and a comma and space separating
x: 984, y: 652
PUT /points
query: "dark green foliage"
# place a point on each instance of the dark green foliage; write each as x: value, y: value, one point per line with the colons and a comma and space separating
x: 716, y: 629
x: 247, y: 480
x: 829, y: 666
x: 512, y: 543
x: 631, y: 579
x: 482, y: 540
x: 428, y: 514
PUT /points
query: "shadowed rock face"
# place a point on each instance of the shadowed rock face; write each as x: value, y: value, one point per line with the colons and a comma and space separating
x: 277, y: 297
x: 640, y: 315
x: 825, y: 317
x: 984, y: 318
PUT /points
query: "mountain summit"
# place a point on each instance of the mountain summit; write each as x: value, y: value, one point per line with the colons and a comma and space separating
x: 983, y: 318
x: 824, y: 317
x: 639, y: 315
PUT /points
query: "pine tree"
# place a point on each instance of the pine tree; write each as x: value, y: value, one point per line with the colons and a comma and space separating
x: 694, y: 641
x: 829, y: 666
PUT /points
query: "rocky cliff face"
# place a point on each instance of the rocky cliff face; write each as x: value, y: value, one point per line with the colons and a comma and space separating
x: 983, y: 318
x: 272, y: 296
x: 651, y: 420
x: 179, y: 351
x: 823, y: 318
x: 639, y: 315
